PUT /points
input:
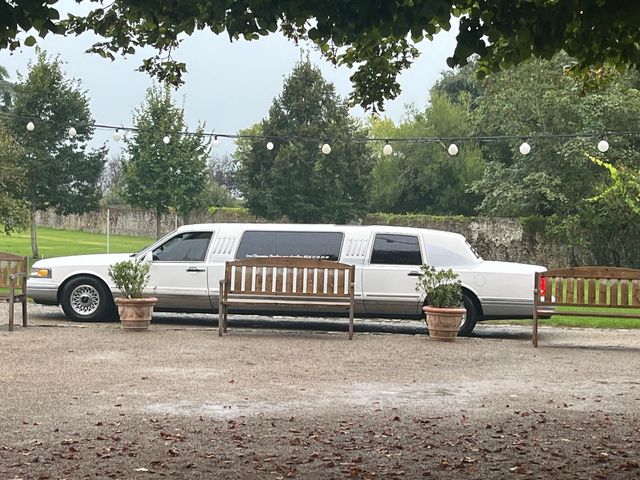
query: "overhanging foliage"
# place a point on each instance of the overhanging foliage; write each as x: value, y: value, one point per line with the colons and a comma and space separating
x: 377, y: 38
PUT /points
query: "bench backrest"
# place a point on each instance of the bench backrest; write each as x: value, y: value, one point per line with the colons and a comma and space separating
x: 11, y: 264
x: 589, y: 287
x: 289, y: 276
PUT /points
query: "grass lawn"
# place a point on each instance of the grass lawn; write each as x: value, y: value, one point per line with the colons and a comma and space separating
x: 583, y: 322
x: 58, y: 243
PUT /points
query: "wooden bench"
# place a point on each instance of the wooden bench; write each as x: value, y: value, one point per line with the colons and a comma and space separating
x: 286, y: 281
x: 596, y: 288
x: 13, y: 284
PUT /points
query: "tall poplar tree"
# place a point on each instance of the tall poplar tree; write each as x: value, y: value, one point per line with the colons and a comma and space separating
x: 62, y: 172
x: 295, y: 178
x: 166, y: 167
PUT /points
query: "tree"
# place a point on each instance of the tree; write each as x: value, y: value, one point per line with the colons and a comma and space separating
x: 6, y: 89
x: 460, y: 85
x: 295, y: 178
x: 380, y: 40
x: 424, y: 177
x: 223, y: 189
x: 14, y: 214
x: 557, y: 181
x: 538, y: 98
x: 166, y: 167
x: 62, y: 173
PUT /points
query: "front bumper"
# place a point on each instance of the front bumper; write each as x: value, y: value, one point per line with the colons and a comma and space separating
x: 42, y: 291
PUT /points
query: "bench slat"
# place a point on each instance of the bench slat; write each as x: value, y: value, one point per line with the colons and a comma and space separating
x: 570, y: 298
x: 635, y: 293
x: 259, y: 279
x: 602, y: 292
x: 580, y: 292
x: 290, y: 286
x: 592, y: 288
x: 613, y: 292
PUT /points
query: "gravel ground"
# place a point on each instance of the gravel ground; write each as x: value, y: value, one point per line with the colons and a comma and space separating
x: 91, y: 401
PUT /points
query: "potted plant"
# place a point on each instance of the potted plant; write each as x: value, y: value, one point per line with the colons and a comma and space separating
x: 444, y: 308
x: 130, y: 277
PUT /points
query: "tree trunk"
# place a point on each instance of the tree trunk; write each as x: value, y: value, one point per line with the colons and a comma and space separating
x: 157, y: 222
x: 34, y: 234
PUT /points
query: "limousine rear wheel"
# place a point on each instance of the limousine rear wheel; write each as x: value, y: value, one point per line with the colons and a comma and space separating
x: 471, y: 318
x: 87, y: 299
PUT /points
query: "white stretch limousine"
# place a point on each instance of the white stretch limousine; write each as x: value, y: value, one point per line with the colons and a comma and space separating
x: 189, y: 262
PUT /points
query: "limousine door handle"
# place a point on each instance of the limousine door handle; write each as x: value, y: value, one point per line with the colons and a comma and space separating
x: 413, y: 274
x: 195, y: 269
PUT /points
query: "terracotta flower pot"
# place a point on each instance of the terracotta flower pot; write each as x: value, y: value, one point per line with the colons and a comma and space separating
x: 444, y: 323
x: 135, y: 313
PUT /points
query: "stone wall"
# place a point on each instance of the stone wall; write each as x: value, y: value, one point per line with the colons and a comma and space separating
x: 493, y: 238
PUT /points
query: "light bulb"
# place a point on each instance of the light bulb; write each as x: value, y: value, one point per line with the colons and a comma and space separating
x: 326, y: 149
x: 525, y: 148
x: 453, y: 149
x: 603, y: 146
x: 387, y: 149
x: 269, y: 145
x: 215, y: 142
x: 117, y: 136
x: 166, y: 139
x: 30, y: 126
x: 72, y: 132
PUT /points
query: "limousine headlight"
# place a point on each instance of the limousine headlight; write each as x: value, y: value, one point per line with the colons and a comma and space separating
x: 41, y: 273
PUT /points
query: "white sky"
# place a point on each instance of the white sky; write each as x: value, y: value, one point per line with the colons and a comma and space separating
x: 229, y: 86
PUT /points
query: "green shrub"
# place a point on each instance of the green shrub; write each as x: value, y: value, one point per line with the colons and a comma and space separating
x: 130, y: 277
x: 442, y: 287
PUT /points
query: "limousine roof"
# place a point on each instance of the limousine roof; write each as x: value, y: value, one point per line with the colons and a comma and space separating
x: 319, y: 227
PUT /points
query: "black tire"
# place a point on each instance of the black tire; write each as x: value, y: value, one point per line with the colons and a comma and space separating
x: 87, y: 299
x: 472, y: 317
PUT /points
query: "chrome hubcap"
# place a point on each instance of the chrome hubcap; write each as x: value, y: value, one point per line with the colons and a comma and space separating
x: 85, y: 300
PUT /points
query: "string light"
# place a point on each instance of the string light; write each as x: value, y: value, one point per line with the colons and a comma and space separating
x: 524, y: 148
x: 603, y: 146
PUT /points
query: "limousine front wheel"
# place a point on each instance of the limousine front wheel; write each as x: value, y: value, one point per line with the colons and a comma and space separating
x: 87, y: 299
x: 471, y: 318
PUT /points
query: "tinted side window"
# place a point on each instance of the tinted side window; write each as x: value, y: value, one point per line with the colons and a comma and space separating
x: 322, y: 245
x: 185, y: 247
x: 396, y: 250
